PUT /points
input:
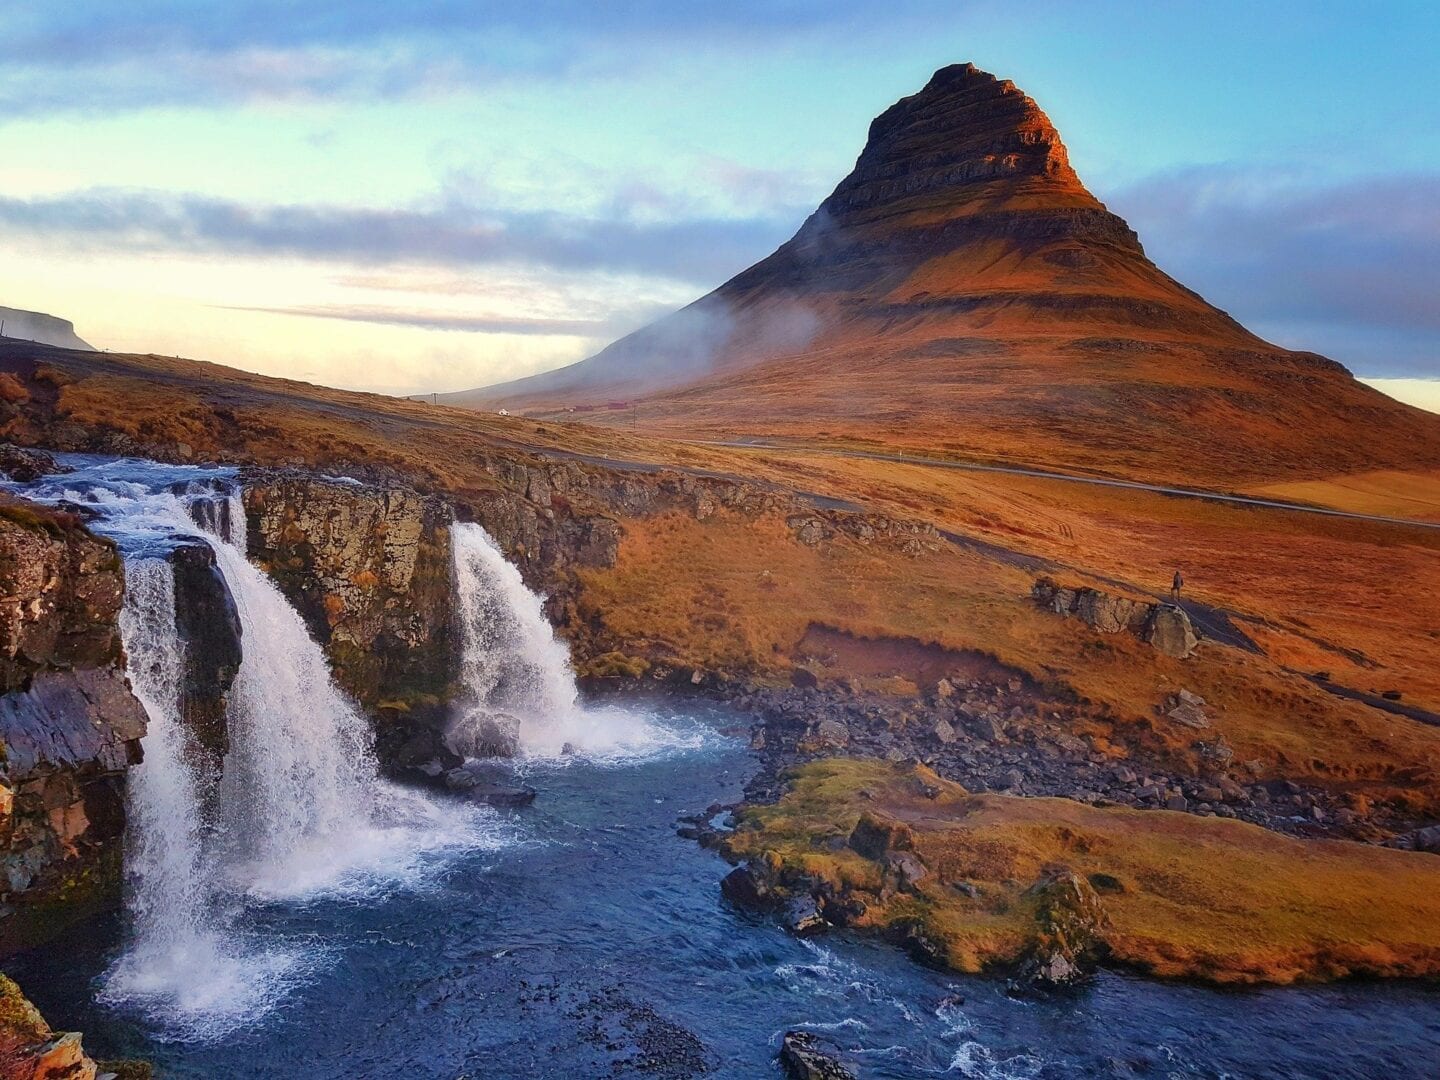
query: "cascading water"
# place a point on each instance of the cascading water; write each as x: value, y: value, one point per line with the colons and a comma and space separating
x: 300, y: 809
x: 516, y: 672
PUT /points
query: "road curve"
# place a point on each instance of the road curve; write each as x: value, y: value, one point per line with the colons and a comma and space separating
x: 1045, y: 474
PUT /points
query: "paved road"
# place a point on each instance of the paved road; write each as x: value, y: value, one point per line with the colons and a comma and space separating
x: 1045, y: 474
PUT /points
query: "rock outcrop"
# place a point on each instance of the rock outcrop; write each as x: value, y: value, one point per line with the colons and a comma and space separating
x: 1070, y: 924
x: 803, y: 1059
x: 1165, y: 626
x: 369, y: 568
x: 208, y: 626
x: 69, y: 725
x: 31, y: 1050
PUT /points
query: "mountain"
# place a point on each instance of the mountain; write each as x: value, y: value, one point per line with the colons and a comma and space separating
x: 37, y: 326
x: 961, y: 292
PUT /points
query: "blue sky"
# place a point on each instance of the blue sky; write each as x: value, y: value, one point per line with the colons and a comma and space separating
x: 440, y: 194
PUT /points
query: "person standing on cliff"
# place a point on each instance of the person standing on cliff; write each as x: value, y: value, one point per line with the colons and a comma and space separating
x: 1175, y: 586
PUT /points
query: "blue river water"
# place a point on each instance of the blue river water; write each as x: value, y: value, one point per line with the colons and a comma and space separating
x: 588, y: 940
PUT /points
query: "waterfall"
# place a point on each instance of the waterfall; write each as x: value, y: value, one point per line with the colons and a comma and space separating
x: 168, y: 892
x: 300, y: 780
x: 513, y: 669
x: 516, y: 674
x: 300, y: 811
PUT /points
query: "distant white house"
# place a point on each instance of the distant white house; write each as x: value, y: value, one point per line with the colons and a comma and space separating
x: 504, y: 412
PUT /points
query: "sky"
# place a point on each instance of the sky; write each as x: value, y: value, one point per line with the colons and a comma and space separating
x: 441, y: 194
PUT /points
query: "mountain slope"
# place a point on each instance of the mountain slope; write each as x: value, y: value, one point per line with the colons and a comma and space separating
x: 962, y: 293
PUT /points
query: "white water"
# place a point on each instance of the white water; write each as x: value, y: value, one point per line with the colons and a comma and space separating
x: 181, y: 951
x: 515, y: 666
x: 301, y: 812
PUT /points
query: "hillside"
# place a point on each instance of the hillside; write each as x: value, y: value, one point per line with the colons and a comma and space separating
x: 962, y: 294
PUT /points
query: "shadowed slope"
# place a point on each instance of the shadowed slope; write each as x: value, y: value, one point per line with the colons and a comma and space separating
x: 961, y: 292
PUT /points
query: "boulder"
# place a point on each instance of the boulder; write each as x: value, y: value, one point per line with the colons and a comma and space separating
x: 875, y: 836
x: 905, y: 870
x: 1187, y: 709
x: 24, y: 465
x: 803, y: 918
x: 746, y: 889
x: 1170, y: 631
x: 1070, y: 923
x: 803, y: 1059
x: 478, y: 784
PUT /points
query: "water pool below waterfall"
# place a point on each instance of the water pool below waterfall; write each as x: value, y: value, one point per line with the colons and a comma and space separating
x: 593, y: 942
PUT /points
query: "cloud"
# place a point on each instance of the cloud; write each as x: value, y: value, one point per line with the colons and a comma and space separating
x: 1351, y: 269
x: 701, y: 251
x: 97, y: 55
x: 479, y: 324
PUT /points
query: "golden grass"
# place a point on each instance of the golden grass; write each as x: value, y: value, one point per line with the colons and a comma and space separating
x: 1187, y: 896
x: 1387, y: 492
x: 740, y: 595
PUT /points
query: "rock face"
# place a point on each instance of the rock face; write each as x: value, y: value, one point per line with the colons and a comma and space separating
x: 369, y: 568
x: 1164, y: 626
x: 31, y: 1050
x: 209, y: 627
x: 69, y: 724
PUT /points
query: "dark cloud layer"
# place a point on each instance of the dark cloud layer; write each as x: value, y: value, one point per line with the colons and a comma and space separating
x: 1349, y: 269
x: 700, y: 251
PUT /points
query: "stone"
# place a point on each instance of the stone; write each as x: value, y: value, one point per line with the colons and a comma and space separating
x: 803, y: 918
x: 827, y: 735
x: 479, y: 783
x: 24, y: 464
x: 1188, y: 709
x: 802, y: 1059
x: 1177, y: 802
x: 944, y: 732
x: 746, y: 889
x: 875, y: 836
x: 1171, y: 632
x: 905, y: 869
x: 803, y: 678
x: 481, y: 734
x: 1070, y: 924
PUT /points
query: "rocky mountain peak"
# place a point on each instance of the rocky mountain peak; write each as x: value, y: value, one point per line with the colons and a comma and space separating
x: 966, y: 131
